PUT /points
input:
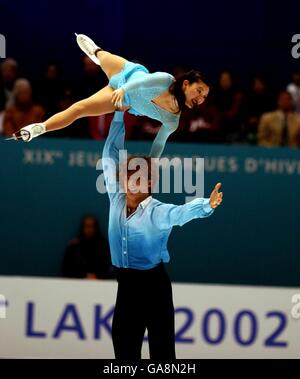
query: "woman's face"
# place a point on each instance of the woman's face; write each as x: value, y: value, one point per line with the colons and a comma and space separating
x: 195, y: 93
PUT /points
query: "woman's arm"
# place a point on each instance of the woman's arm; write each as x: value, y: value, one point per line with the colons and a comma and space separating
x: 160, y: 140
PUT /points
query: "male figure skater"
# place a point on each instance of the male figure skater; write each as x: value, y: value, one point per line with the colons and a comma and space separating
x: 139, y: 227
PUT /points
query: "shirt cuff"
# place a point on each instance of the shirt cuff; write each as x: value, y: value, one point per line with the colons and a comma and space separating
x: 206, y: 206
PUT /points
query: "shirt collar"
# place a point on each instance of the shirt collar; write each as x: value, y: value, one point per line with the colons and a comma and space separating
x: 144, y: 203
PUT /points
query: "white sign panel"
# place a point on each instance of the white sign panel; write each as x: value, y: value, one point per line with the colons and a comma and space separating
x: 59, y: 318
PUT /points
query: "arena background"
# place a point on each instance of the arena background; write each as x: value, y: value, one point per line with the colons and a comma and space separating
x: 210, y: 36
x: 252, y: 239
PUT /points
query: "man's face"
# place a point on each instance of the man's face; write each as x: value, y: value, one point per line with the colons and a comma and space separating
x: 296, y: 79
x: 8, y: 72
x: 259, y: 86
x: 137, y: 177
x: 24, y: 95
x: 136, y: 185
x: 285, y: 102
x: 89, y: 229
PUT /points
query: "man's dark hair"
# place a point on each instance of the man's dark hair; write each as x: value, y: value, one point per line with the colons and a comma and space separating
x: 151, y: 168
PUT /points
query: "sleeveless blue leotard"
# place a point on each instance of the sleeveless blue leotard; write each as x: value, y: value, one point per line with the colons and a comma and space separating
x: 140, y: 88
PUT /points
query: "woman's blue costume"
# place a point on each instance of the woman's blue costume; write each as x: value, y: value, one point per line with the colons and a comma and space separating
x: 140, y: 89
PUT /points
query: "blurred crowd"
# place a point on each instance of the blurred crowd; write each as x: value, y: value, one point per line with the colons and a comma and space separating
x: 256, y: 114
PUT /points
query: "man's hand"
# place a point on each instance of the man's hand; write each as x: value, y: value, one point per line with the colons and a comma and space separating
x: 117, y: 98
x: 216, y: 197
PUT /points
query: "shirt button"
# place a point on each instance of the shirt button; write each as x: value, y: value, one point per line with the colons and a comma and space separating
x: 125, y: 252
x: 124, y: 238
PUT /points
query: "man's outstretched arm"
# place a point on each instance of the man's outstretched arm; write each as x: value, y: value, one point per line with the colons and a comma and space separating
x: 169, y: 215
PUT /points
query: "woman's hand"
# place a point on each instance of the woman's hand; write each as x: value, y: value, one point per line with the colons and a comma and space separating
x: 216, y: 197
x: 117, y: 98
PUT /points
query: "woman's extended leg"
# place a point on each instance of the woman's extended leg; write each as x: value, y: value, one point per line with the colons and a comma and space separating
x: 95, y: 105
x: 110, y: 63
x: 98, y: 104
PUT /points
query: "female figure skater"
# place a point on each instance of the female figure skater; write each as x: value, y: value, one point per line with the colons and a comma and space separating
x: 131, y: 86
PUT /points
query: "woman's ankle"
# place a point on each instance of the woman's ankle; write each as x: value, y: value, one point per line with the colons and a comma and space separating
x: 97, y: 51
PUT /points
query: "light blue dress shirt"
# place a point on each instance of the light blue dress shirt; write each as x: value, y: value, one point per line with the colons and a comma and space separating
x: 140, y: 89
x: 140, y: 240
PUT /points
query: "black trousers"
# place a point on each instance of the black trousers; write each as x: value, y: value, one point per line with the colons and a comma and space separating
x: 144, y: 300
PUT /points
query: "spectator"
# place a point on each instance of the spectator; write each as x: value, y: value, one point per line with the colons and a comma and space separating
x: 202, y: 124
x: 9, y: 74
x: 24, y: 112
x: 179, y: 70
x: 257, y: 101
x: 50, y: 89
x: 79, y: 128
x: 228, y: 100
x: 144, y: 128
x: 294, y: 89
x: 99, y: 125
x: 93, y: 79
x: 88, y: 255
x: 281, y: 127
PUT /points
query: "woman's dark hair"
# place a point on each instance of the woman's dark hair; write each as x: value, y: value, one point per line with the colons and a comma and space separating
x: 176, y: 87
